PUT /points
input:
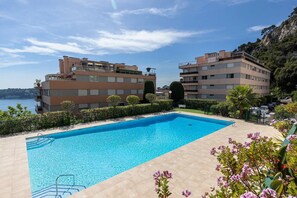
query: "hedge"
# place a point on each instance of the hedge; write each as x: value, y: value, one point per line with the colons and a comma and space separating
x: 59, y: 118
x: 199, y: 103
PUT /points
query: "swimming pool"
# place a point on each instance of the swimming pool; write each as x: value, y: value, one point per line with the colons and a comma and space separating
x: 97, y: 153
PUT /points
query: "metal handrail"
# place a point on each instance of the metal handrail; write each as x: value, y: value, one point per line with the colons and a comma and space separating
x: 64, y: 175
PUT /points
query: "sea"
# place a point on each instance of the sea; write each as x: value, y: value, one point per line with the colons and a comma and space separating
x: 29, y: 103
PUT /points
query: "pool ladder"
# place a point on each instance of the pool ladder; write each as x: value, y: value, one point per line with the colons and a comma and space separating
x: 59, y: 190
x: 39, y: 142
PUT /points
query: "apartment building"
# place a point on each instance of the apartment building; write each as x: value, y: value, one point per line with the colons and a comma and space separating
x: 211, y: 76
x: 88, y: 83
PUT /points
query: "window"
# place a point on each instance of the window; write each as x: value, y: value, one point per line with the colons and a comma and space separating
x: 111, y: 79
x: 82, y: 92
x: 211, y: 85
x: 93, y: 78
x: 248, y: 76
x: 204, y: 68
x: 203, y: 96
x: 204, y: 77
x: 229, y: 86
x: 120, y: 91
x: 120, y: 79
x: 211, y: 95
x: 204, y: 87
x: 212, y: 75
x: 133, y: 91
x: 230, y: 75
x: 111, y: 92
x: 140, y: 91
x: 230, y: 65
x: 94, y: 92
x: 133, y: 80
x: 82, y: 106
x: 140, y: 80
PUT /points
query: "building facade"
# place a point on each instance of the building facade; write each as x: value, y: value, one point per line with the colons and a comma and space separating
x: 211, y: 76
x: 88, y: 83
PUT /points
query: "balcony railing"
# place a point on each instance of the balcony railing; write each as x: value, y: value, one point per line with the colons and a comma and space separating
x: 189, y: 90
x: 38, y: 109
x: 38, y: 98
x: 187, y: 63
x: 189, y: 81
x: 193, y: 72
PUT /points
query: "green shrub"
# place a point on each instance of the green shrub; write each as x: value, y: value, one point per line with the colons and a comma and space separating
x: 33, y: 122
x: 90, y: 115
x: 151, y: 98
x: 113, y: 100
x: 281, y: 112
x: 132, y: 99
x: 199, y: 103
x: 294, y: 96
x: 221, y: 108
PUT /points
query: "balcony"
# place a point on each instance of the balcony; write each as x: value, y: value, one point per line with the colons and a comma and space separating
x: 187, y: 64
x: 188, y: 81
x: 191, y: 91
x: 38, y: 98
x: 193, y: 72
x: 38, y: 109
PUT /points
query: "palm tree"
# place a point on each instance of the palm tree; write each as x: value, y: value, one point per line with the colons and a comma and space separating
x: 242, y: 97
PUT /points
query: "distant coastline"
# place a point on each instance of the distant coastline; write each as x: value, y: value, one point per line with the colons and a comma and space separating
x: 17, y: 93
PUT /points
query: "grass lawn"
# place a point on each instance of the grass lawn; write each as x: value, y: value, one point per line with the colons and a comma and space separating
x: 191, y: 111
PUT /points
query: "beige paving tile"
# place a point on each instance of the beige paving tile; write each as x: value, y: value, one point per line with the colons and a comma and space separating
x: 192, y: 165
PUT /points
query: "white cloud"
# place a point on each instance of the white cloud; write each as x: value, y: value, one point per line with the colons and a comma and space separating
x: 47, y: 48
x: 257, y: 28
x: 127, y: 41
x: 130, y: 41
x: 165, y: 12
x: 232, y: 2
x: 4, y: 64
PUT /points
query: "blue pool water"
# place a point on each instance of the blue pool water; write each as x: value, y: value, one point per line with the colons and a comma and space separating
x: 98, y: 153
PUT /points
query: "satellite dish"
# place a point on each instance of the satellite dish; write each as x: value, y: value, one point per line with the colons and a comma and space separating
x: 148, y: 69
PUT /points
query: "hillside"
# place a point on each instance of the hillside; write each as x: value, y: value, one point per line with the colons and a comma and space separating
x: 17, y: 93
x: 277, y: 49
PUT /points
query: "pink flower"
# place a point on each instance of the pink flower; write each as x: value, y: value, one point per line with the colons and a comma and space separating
x: 221, y: 148
x: 249, y: 135
x: 291, y: 137
x: 218, y: 168
x: 248, y: 195
x: 288, y: 147
x: 186, y: 193
x: 230, y: 140
x: 236, y: 178
x: 220, y: 181
x: 245, y: 170
x: 255, y: 136
x: 167, y: 174
x: 268, y: 193
x: 213, y: 151
x: 247, y: 144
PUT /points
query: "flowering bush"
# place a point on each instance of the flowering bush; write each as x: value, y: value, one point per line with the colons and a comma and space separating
x: 257, y: 168
x: 162, y: 184
x: 282, y: 126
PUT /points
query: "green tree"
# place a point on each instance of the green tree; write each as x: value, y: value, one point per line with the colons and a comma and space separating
x: 242, y: 97
x: 18, y: 111
x: 177, y: 90
x: 149, y: 87
x: 132, y: 100
x: 113, y: 100
x: 151, y: 97
x: 294, y: 96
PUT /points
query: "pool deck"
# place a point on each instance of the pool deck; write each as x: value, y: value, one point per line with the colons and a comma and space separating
x: 192, y: 166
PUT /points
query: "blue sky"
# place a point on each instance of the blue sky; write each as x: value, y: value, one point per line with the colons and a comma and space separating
x: 158, y: 33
